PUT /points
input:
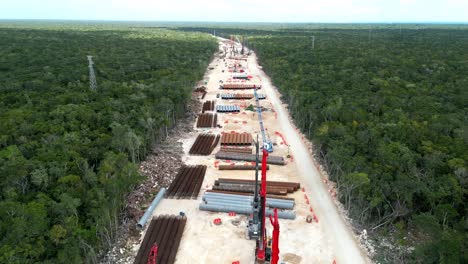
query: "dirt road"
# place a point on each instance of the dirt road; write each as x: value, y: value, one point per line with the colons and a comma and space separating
x: 345, y: 247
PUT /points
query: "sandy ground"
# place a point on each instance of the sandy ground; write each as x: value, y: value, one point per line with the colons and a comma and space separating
x: 324, y: 242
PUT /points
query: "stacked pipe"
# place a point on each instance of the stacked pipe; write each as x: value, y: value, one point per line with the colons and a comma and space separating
x: 275, y: 160
x: 165, y: 231
x: 204, y: 144
x: 227, y: 108
x: 219, y: 202
x: 222, y: 198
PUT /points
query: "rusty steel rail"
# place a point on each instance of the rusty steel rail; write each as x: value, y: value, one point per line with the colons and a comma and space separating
x: 247, y: 150
x: 204, y: 144
x: 250, y: 194
x: 236, y: 139
x: 239, y: 86
x: 208, y: 106
x: 249, y: 189
x: 275, y: 160
x: 166, y: 231
x: 251, y: 185
x: 207, y: 120
x: 187, y: 182
x: 294, y: 185
x: 239, y: 167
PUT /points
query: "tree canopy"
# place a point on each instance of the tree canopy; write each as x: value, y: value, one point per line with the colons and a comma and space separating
x: 68, y: 154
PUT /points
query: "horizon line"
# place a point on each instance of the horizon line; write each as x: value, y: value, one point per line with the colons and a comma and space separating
x: 248, y: 22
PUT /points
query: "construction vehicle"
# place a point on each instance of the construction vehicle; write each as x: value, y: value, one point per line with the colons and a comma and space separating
x: 266, y: 139
x: 267, y: 249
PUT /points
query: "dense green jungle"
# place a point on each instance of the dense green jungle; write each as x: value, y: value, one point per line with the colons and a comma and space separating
x: 384, y: 105
x: 69, y: 154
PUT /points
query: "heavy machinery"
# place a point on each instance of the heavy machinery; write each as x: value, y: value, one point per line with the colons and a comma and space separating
x: 267, y: 145
x: 267, y: 250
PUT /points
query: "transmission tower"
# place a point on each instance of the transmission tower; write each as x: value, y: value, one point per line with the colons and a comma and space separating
x: 92, y: 76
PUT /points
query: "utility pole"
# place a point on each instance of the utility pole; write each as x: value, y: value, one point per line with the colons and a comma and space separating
x: 313, y: 42
x: 92, y: 76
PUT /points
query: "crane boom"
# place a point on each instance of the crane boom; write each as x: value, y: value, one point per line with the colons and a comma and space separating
x: 267, y: 145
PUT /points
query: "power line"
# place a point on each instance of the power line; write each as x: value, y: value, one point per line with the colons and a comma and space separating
x: 92, y: 76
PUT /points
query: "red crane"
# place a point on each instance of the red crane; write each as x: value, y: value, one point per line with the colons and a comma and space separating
x: 276, y: 232
x: 262, y: 254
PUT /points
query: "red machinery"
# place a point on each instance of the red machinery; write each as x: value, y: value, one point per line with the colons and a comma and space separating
x: 266, y: 251
x: 153, y: 254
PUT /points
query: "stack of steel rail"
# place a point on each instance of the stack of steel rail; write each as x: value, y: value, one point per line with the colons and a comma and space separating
x: 208, y: 106
x: 241, y: 96
x: 187, y: 182
x: 237, y: 150
x: 236, y: 139
x: 207, y: 120
x: 222, y: 202
x: 204, y: 144
x: 275, y: 160
x: 227, y: 108
x: 239, y: 167
x: 239, y: 86
x: 238, y: 185
x: 166, y: 232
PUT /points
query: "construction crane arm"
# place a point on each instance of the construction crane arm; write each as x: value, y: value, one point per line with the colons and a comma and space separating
x: 267, y: 145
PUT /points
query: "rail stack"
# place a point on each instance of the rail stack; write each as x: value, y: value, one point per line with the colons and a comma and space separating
x: 248, y: 186
x: 187, y: 182
x: 275, y: 160
x: 236, y: 139
x: 236, y: 86
x: 208, y: 106
x: 204, y: 144
x: 247, y: 150
x: 206, y: 120
x: 166, y: 232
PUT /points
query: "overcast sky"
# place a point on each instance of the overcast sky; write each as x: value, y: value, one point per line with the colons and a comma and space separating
x: 240, y: 10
